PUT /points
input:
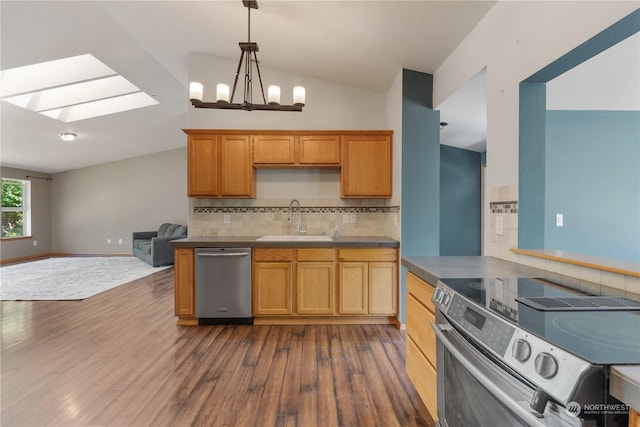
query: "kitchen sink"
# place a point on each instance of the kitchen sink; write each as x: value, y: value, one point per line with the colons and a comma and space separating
x: 293, y: 238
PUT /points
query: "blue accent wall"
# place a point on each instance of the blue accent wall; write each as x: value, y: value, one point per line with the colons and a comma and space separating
x: 531, y: 176
x: 593, y: 179
x: 534, y: 216
x: 420, y: 211
x: 460, y: 201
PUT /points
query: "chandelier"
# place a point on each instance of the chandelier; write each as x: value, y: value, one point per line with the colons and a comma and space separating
x: 248, y: 57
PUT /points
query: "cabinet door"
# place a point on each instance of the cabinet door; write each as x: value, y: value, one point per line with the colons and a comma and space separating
x: 273, y: 149
x: 366, y: 166
x: 319, y: 150
x: 203, y: 165
x: 237, y: 178
x: 272, y: 288
x: 383, y: 286
x: 315, y: 288
x: 353, y: 290
x: 184, y: 281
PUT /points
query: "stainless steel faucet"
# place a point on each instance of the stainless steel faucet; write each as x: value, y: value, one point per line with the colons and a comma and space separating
x: 295, y: 204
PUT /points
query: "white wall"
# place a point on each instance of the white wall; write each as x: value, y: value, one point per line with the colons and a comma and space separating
x: 329, y: 105
x: 514, y: 40
x: 114, y: 199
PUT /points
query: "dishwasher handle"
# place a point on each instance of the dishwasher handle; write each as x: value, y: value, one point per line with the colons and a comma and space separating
x: 217, y: 254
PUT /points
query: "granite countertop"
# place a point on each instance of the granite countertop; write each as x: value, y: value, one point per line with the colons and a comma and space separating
x: 625, y: 380
x: 251, y: 241
x: 432, y: 268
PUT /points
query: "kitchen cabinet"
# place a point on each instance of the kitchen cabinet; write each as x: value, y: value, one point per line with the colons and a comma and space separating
x: 634, y: 418
x: 319, y: 150
x: 184, y: 287
x: 219, y: 165
x: 273, y: 149
x: 315, y: 281
x: 292, y: 150
x: 366, y: 165
x: 421, y: 340
x: 367, y: 289
x: 272, y: 281
x: 368, y: 281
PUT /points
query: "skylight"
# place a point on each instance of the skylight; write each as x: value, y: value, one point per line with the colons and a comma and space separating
x: 70, y: 89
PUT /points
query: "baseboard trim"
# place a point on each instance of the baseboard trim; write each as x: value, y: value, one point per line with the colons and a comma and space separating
x: 54, y: 255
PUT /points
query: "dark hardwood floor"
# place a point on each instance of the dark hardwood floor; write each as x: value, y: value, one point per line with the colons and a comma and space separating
x: 118, y: 359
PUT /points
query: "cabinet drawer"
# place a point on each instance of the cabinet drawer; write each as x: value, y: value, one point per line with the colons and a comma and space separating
x: 315, y: 254
x: 272, y: 254
x: 368, y: 254
x: 421, y: 290
x: 419, y: 328
x: 423, y: 376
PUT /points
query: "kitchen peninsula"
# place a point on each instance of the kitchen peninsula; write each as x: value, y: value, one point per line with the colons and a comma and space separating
x: 554, y: 349
x: 344, y: 280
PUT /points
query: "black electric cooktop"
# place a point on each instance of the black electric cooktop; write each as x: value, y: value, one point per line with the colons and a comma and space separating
x: 600, y: 335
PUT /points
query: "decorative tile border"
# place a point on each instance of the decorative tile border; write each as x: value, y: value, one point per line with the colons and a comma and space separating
x: 285, y: 209
x: 504, y: 207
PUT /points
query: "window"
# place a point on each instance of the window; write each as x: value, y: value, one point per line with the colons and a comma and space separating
x: 16, y: 212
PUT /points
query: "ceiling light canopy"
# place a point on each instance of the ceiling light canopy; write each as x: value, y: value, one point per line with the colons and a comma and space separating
x: 70, y: 89
x: 248, y: 57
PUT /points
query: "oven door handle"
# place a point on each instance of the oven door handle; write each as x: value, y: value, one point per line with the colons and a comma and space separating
x: 478, y: 375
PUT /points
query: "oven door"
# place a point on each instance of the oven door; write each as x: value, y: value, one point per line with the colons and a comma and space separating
x: 474, y: 391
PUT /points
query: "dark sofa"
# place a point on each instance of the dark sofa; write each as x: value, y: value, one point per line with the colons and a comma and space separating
x: 153, y: 247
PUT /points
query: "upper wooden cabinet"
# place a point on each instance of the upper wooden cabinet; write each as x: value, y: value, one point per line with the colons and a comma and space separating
x: 366, y: 166
x: 220, y: 165
x: 319, y: 150
x: 291, y: 150
x: 273, y: 149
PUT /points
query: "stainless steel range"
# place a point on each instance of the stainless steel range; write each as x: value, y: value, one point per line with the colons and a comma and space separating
x: 521, y: 351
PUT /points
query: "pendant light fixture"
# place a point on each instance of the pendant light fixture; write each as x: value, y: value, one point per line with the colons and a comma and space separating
x: 248, y: 57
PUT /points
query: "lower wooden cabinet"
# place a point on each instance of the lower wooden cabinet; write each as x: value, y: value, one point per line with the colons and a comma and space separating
x: 368, y: 281
x: 315, y: 284
x: 634, y: 418
x: 421, y: 340
x: 322, y: 283
x: 272, y: 281
x: 184, y: 283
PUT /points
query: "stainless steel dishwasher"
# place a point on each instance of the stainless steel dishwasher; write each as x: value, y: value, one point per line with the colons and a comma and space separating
x: 223, y: 286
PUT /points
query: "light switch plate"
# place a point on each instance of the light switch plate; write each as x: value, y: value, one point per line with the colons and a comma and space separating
x: 227, y: 218
x: 559, y: 220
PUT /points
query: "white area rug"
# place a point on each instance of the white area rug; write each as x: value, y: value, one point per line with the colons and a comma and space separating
x: 69, y: 278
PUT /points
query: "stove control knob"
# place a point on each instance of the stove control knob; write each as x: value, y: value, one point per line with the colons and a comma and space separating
x: 521, y: 350
x: 446, y: 297
x: 546, y: 365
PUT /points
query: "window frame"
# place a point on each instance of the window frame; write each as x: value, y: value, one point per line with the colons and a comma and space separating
x: 25, y: 209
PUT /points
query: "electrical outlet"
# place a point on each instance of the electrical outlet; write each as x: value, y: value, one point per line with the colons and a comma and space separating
x: 345, y: 218
x: 35, y: 243
x: 227, y: 218
x: 108, y: 241
x: 119, y: 241
x: 352, y: 218
x: 559, y: 220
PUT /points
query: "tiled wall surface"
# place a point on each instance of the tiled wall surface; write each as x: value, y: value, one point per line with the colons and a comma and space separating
x: 261, y: 217
x: 503, y: 204
x: 503, y: 207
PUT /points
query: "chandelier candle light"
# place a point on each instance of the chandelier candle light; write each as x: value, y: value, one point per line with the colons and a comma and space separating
x: 224, y: 101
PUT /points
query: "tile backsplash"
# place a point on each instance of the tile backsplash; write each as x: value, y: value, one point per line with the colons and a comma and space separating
x: 258, y: 217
